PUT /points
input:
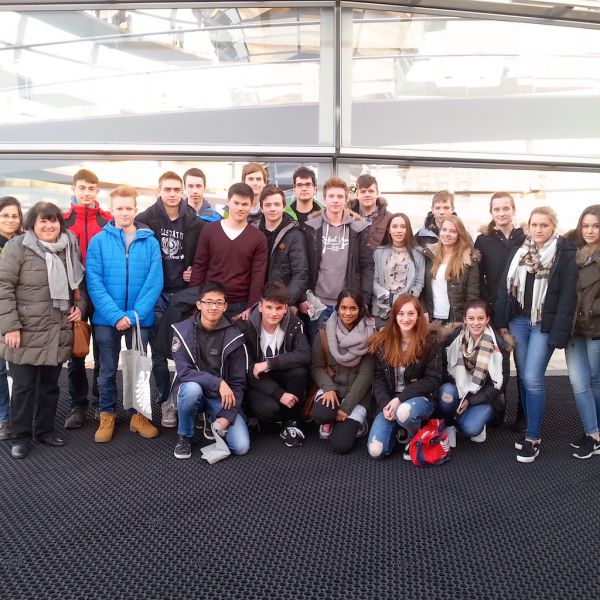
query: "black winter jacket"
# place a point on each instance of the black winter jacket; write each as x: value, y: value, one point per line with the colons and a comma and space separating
x: 296, y: 351
x: 587, y: 321
x: 288, y: 261
x: 192, y: 226
x: 360, y: 268
x: 422, y: 378
x: 488, y: 394
x: 561, y: 297
x: 495, y: 250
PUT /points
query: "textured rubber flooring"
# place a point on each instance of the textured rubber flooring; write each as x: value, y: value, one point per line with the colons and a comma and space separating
x: 127, y: 520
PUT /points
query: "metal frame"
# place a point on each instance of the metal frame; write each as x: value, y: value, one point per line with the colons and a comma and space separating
x: 560, y: 15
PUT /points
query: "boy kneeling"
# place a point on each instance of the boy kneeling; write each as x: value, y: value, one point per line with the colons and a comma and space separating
x: 280, y: 357
x: 211, y: 363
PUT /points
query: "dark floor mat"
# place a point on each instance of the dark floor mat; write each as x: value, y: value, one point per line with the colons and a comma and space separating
x: 127, y: 520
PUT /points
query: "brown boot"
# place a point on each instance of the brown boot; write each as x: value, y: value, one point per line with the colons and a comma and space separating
x: 107, y: 427
x: 139, y: 424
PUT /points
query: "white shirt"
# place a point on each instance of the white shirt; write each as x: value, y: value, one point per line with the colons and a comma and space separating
x: 439, y: 287
x: 231, y: 233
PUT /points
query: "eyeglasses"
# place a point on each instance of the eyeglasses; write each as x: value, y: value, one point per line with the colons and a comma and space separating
x: 217, y: 303
x: 304, y: 185
x: 6, y: 217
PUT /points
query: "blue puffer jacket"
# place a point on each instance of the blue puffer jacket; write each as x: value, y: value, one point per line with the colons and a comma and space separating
x: 121, y: 283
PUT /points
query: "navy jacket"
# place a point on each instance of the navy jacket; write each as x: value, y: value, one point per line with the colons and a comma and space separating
x: 234, y: 362
x: 561, y: 296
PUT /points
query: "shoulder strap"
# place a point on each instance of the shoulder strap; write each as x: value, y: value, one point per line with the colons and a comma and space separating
x: 325, y: 348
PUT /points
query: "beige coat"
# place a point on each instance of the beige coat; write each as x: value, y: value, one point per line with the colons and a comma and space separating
x: 25, y: 304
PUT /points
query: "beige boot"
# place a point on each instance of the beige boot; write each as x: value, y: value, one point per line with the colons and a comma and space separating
x: 140, y: 424
x: 107, y: 427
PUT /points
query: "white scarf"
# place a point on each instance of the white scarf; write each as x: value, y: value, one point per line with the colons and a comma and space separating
x: 464, y: 381
x: 517, y: 276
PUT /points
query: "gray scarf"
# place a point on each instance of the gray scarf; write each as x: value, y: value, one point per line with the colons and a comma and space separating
x: 60, y: 281
x: 348, y: 347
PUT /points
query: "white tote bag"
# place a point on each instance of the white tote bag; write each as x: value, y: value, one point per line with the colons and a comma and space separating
x: 137, y: 368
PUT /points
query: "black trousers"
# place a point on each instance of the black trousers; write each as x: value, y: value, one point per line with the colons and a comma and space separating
x: 343, y: 433
x: 34, y: 399
x: 268, y: 409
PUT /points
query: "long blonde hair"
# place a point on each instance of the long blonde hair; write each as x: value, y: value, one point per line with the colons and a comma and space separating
x: 457, y: 264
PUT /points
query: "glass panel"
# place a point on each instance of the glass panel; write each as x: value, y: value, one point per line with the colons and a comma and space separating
x: 448, y: 84
x: 33, y: 180
x: 171, y: 75
x: 409, y: 190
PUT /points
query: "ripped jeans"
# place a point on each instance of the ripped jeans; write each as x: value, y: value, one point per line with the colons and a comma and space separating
x: 409, y: 416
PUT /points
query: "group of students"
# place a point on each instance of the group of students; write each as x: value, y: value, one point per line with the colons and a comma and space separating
x: 277, y: 312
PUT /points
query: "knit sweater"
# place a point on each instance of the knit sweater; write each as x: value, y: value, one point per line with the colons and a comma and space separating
x: 239, y: 264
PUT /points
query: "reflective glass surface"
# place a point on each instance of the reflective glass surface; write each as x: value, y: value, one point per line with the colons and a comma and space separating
x: 432, y: 83
x: 168, y: 75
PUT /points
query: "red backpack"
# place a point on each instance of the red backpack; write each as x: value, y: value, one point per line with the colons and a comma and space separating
x: 430, y: 445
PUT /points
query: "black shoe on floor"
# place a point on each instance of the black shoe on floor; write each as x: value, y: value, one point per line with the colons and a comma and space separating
x: 20, y: 449
x: 580, y: 441
x: 529, y: 451
x: 292, y: 436
x: 75, y: 419
x: 49, y: 439
x: 4, y: 431
x: 589, y: 447
x: 183, y: 448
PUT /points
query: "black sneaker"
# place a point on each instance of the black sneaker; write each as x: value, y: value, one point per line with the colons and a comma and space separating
x: 589, y: 447
x: 183, y: 448
x: 529, y: 451
x: 202, y: 425
x: 580, y: 441
x: 75, y: 418
x: 402, y: 436
x: 292, y: 436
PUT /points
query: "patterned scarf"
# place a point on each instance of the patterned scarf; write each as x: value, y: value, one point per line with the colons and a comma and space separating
x: 469, y: 364
x: 528, y: 259
x: 348, y: 347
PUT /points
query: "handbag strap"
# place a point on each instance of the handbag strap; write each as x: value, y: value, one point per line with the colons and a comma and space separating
x: 136, y: 342
x: 325, y: 348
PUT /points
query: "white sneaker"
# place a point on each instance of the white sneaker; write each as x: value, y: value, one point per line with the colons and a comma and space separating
x: 481, y: 437
x: 451, y: 431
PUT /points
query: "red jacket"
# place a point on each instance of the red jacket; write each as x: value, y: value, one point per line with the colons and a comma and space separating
x: 85, y: 222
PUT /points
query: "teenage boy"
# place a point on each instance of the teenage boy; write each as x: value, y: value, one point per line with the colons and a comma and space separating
x: 372, y: 208
x: 124, y: 279
x: 286, y: 244
x: 85, y: 219
x: 279, y: 361
x: 339, y: 256
x: 177, y: 228
x: 211, y: 363
x: 256, y: 177
x: 233, y: 253
x: 442, y: 206
x: 194, y: 182
x: 305, y: 195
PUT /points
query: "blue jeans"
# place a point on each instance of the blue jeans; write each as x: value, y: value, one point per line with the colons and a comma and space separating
x: 410, y: 414
x: 160, y: 366
x: 532, y: 355
x: 314, y: 326
x: 109, y: 343
x: 472, y: 421
x: 190, y: 400
x: 4, y: 395
x: 583, y: 363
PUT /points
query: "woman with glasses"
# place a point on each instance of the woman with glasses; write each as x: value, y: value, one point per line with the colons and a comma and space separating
x: 342, y: 368
x: 11, y: 219
x: 39, y: 272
